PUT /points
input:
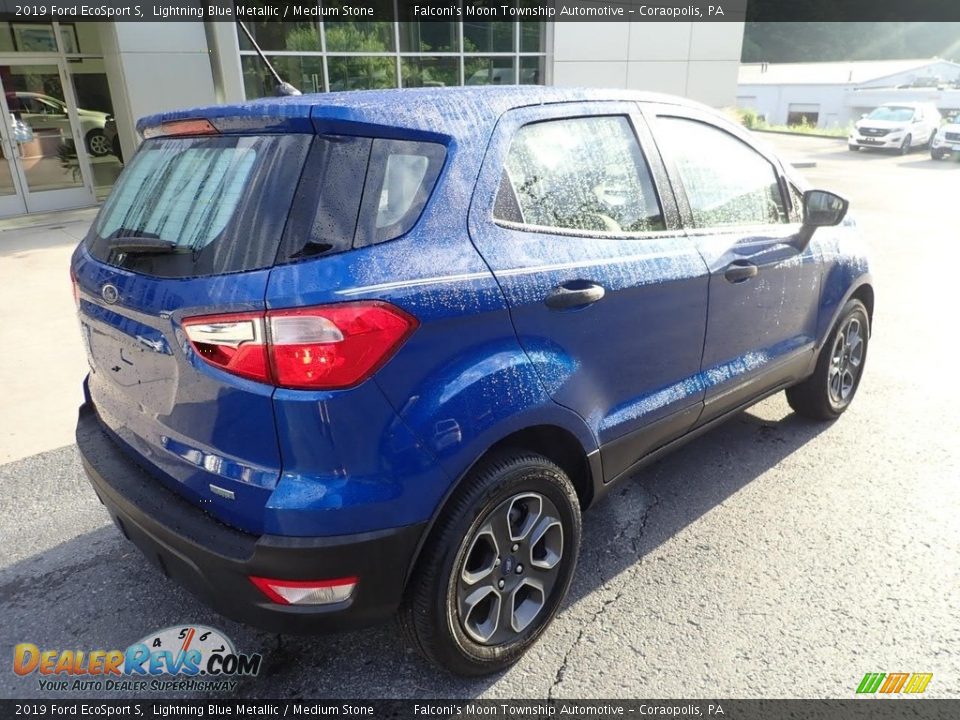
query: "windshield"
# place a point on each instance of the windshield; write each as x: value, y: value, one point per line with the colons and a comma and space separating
x: 892, y: 114
x: 208, y: 205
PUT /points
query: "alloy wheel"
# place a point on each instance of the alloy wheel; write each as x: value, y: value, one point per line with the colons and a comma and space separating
x: 510, y: 568
x: 846, y: 362
x: 98, y: 144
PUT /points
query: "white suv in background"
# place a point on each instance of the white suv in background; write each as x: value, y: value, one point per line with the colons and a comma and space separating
x: 947, y: 140
x: 896, y: 126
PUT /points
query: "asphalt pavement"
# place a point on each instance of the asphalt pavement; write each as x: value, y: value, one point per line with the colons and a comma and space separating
x: 772, y: 557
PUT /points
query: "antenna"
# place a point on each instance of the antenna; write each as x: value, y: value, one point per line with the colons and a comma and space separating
x: 283, y: 88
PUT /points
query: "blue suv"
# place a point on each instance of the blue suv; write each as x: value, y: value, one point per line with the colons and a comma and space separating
x: 369, y: 353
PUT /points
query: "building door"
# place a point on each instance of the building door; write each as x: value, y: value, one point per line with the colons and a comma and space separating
x: 44, y: 161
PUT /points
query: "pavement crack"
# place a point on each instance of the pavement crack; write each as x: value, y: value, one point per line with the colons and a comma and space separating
x: 606, y: 604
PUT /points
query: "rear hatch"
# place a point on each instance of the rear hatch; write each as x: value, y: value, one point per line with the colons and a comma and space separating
x: 191, y: 229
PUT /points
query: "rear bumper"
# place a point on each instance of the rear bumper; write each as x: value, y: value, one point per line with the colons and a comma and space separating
x: 215, y: 561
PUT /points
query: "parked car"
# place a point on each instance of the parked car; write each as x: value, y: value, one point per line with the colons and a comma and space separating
x: 113, y: 137
x: 374, y: 352
x: 896, y: 126
x: 44, y: 112
x: 947, y: 141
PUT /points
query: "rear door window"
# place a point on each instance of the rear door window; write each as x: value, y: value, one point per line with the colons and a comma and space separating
x: 194, y: 206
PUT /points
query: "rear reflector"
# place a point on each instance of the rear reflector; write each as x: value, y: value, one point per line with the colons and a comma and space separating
x: 320, y: 348
x: 306, y: 592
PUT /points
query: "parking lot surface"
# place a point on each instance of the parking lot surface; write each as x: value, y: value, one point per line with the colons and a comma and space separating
x: 773, y: 557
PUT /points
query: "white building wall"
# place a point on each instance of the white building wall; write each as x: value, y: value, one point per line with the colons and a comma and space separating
x: 841, y: 104
x: 153, y: 67
x: 696, y: 60
x: 773, y: 102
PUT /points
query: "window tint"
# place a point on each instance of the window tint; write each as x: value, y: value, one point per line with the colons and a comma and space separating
x: 727, y: 182
x: 359, y: 191
x: 400, y: 178
x: 213, y: 203
x: 579, y: 174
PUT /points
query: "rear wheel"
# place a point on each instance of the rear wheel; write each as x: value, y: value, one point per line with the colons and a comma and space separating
x: 496, y: 567
x: 827, y: 393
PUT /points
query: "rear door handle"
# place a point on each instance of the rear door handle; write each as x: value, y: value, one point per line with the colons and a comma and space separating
x: 574, y: 294
x: 740, y: 270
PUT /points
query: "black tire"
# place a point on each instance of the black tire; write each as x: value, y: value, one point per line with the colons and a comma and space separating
x: 905, y: 146
x: 97, y: 144
x: 853, y: 148
x: 431, y: 612
x: 814, y: 398
x: 937, y: 154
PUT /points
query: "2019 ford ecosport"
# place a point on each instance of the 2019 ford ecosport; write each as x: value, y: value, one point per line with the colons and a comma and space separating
x: 369, y: 352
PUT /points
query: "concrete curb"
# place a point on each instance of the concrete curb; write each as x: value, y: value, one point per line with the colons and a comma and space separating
x: 794, y: 134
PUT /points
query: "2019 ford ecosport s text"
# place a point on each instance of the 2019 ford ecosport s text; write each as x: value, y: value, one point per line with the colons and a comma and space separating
x: 370, y: 352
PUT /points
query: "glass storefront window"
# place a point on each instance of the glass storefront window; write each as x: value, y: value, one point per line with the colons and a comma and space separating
x: 302, y: 36
x: 493, y: 37
x: 532, y: 70
x: 27, y: 37
x: 430, y: 71
x: 359, y: 37
x: 361, y: 73
x: 532, y: 36
x: 429, y: 37
x: 336, y: 55
x: 303, y: 71
x: 489, y: 71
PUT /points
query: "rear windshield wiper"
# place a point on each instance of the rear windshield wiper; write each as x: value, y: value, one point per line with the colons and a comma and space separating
x: 140, y: 243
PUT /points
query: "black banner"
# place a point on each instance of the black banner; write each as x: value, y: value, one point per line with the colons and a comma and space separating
x: 862, y: 709
x: 487, y: 10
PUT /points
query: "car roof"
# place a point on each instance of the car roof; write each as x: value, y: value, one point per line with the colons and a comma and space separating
x: 449, y: 111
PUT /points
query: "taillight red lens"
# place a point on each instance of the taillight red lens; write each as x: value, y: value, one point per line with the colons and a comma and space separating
x: 320, y: 348
x: 76, y: 288
x: 335, y: 346
x: 231, y: 342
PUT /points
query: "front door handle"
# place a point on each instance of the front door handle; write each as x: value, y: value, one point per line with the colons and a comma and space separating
x: 740, y: 270
x: 574, y: 294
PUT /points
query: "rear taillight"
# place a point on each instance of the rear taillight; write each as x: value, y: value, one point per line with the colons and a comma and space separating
x: 306, y: 592
x: 76, y: 288
x: 320, y: 348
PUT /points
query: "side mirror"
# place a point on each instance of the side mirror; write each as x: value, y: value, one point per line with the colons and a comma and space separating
x: 821, y: 208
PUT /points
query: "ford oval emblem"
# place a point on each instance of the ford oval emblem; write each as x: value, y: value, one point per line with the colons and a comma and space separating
x: 110, y: 293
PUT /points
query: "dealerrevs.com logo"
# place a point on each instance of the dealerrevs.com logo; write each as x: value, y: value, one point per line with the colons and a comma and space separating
x: 191, y: 657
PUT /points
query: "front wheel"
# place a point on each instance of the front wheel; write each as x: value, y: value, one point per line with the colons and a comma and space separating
x: 937, y: 154
x: 827, y: 393
x: 496, y: 567
x: 97, y: 143
x: 906, y: 145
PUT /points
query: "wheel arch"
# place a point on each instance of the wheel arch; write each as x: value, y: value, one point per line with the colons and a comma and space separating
x: 841, y: 285
x: 556, y: 443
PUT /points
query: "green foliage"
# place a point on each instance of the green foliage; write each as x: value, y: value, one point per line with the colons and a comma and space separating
x: 825, y: 41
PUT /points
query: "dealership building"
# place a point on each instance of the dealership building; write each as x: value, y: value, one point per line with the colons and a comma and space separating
x: 72, y: 92
x: 835, y: 94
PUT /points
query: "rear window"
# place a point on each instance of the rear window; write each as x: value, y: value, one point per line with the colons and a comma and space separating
x: 192, y: 206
